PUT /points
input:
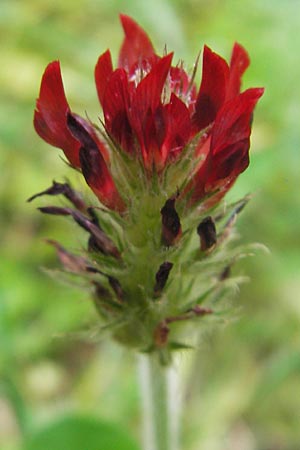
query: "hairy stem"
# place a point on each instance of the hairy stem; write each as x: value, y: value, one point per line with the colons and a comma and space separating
x: 160, y: 404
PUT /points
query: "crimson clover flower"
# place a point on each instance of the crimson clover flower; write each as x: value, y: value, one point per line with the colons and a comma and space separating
x: 152, y: 112
x: 164, y: 154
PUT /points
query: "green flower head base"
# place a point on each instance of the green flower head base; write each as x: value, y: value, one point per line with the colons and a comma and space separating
x: 159, y: 162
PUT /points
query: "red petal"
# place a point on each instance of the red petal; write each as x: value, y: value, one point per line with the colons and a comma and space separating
x: 103, y: 72
x: 179, y: 81
x: 212, y: 90
x: 149, y: 90
x: 178, y: 129
x: 90, y: 130
x: 228, y: 153
x: 115, y: 108
x: 136, y: 45
x: 233, y: 122
x: 183, y: 87
x: 232, y: 161
x: 238, y: 64
x: 50, y: 116
x: 94, y: 167
x: 99, y: 179
x: 145, y: 112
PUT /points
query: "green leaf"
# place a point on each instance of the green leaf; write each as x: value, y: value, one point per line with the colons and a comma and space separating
x: 180, y: 346
x: 80, y: 433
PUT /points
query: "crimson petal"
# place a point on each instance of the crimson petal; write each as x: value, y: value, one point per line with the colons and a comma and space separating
x: 136, y: 45
x: 238, y: 64
x: 50, y: 116
x: 148, y: 93
x: 233, y: 122
x: 230, y: 162
x: 94, y: 168
x: 145, y: 114
x: 178, y: 128
x: 115, y: 108
x: 212, y: 90
x: 103, y: 72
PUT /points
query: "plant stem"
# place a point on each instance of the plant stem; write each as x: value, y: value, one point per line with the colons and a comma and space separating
x: 160, y: 404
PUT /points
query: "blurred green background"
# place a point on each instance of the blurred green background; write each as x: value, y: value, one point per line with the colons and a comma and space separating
x: 244, y: 387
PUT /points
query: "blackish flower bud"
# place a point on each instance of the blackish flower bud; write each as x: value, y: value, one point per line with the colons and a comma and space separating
x: 207, y: 232
x: 161, y: 276
x: 55, y: 210
x: 100, y: 292
x: 225, y: 273
x: 93, y: 216
x: 66, y: 190
x: 161, y: 334
x: 101, y: 241
x: 115, y: 285
x: 171, y: 227
x: 104, y: 303
x: 70, y: 262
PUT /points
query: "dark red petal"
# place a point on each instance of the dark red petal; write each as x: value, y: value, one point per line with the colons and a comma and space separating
x: 178, y: 128
x: 99, y: 179
x: 183, y: 87
x: 233, y: 122
x: 136, y: 45
x: 103, y: 72
x: 116, y: 103
x: 212, y: 90
x: 51, y: 112
x: 94, y: 168
x: 238, y: 64
x: 179, y: 81
x: 145, y: 114
x: 150, y: 88
x: 229, y: 162
x: 229, y: 147
x: 89, y: 130
x: 79, y: 131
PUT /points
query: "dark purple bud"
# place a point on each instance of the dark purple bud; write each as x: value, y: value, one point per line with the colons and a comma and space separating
x: 207, y: 232
x: 66, y: 190
x: 93, y: 216
x: 101, y: 241
x: 69, y: 261
x: 161, y: 276
x: 115, y: 285
x: 104, y: 303
x: 225, y: 273
x: 161, y: 334
x: 92, y: 245
x: 100, y: 291
x: 171, y: 227
x: 236, y: 211
x: 55, y: 210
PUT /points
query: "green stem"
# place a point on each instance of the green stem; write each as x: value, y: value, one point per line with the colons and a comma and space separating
x: 160, y: 403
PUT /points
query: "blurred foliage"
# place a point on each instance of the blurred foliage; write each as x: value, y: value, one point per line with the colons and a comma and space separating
x: 245, y: 376
x: 77, y: 432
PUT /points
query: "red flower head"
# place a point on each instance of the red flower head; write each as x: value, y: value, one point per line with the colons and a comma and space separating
x: 167, y: 152
x: 152, y: 113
